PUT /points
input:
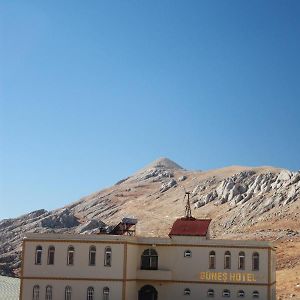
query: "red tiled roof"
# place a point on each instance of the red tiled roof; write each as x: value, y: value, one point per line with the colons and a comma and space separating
x: 190, y: 227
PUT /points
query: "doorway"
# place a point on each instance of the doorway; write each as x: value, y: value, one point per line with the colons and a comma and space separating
x: 148, y: 292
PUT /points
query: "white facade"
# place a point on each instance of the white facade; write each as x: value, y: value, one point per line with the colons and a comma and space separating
x: 137, y: 268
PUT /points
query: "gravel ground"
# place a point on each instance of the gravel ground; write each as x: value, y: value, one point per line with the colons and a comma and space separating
x: 9, y: 288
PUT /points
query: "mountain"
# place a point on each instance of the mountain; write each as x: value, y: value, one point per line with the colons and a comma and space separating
x: 243, y: 202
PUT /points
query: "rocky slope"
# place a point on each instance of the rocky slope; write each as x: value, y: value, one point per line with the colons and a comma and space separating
x: 244, y: 203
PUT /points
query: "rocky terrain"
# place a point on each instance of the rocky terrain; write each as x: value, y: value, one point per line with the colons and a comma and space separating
x: 244, y: 203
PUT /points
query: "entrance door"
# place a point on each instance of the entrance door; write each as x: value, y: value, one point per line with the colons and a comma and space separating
x: 147, y: 292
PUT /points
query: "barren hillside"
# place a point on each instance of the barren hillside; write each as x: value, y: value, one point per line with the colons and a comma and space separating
x: 244, y: 203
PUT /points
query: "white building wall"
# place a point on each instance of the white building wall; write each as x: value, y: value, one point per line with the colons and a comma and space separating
x: 81, y: 267
x: 79, y: 289
x: 175, y: 272
x: 175, y: 291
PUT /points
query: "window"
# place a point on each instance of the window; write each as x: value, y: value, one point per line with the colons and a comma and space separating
x: 227, y: 260
x: 70, y: 255
x: 36, y: 292
x: 51, y: 252
x: 107, y: 257
x: 186, y: 292
x: 241, y: 294
x: 241, y: 263
x: 187, y: 253
x: 149, y: 260
x: 92, y: 256
x: 210, y: 293
x: 226, y: 293
x: 90, y: 293
x: 255, y: 294
x: 68, y: 293
x: 48, y: 293
x: 106, y: 293
x: 38, y: 255
x: 212, y: 260
x: 255, y: 261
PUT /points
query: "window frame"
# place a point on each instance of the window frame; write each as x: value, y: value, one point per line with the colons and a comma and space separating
x: 36, y: 292
x: 227, y: 260
x: 226, y: 293
x: 92, y: 255
x: 212, y: 260
x: 68, y: 292
x: 241, y: 294
x: 38, y: 255
x: 149, y: 261
x: 90, y: 293
x: 187, y: 292
x: 255, y: 294
x: 106, y: 293
x: 107, y: 256
x: 242, y: 260
x: 211, y: 293
x: 48, y: 292
x: 51, y: 255
x: 71, y: 255
x: 255, y: 261
x: 187, y: 253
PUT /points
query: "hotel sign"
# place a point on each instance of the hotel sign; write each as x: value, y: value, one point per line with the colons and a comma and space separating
x: 227, y: 277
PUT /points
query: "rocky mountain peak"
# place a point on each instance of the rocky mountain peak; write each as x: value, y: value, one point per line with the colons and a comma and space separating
x: 164, y: 163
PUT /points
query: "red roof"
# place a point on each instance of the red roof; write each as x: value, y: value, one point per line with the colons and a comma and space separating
x: 190, y: 227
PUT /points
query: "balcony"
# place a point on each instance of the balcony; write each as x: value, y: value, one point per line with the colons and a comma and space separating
x: 154, y: 274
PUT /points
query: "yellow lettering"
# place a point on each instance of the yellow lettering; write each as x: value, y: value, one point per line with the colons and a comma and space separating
x: 232, y: 277
x: 250, y: 277
x: 219, y: 276
x: 207, y: 275
x: 214, y: 276
x: 202, y: 276
x: 238, y: 276
x: 224, y: 276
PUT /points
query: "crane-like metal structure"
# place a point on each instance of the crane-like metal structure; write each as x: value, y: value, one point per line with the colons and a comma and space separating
x: 188, y: 211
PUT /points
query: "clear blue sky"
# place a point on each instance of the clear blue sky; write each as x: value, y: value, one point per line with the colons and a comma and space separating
x: 91, y: 91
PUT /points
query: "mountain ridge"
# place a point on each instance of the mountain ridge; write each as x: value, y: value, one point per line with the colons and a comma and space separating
x: 243, y: 202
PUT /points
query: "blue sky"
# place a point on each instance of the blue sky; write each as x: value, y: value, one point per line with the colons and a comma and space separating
x: 92, y: 91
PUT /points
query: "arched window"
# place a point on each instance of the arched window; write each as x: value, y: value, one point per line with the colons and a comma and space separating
x: 90, y: 293
x: 107, y: 257
x: 210, y: 293
x: 38, y: 255
x: 36, y: 292
x: 255, y: 294
x: 106, y: 293
x: 68, y: 293
x: 227, y: 260
x: 212, y: 260
x: 48, y: 293
x: 186, y: 292
x: 187, y: 253
x: 149, y: 260
x: 241, y: 294
x: 51, y: 252
x: 226, y: 293
x: 241, y: 262
x: 255, y: 261
x: 70, y: 255
x: 92, y: 256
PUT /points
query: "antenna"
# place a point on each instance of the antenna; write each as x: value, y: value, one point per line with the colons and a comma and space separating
x: 188, y: 211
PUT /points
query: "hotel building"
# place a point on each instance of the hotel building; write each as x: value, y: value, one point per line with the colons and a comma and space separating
x: 187, y: 265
